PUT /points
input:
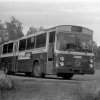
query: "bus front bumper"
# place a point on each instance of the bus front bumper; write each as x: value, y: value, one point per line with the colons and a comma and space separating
x: 76, y: 71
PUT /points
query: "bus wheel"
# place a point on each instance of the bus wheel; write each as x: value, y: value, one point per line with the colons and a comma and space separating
x: 37, y: 71
x: 27, y: 74
x: 6, y: 70
x: 67, y: 76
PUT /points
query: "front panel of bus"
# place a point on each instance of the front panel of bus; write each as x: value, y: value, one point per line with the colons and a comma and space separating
x: 74, y: 52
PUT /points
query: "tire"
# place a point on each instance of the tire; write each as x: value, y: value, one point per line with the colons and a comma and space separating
x: 37, y: 72
x: 6, y: 71
x: 67, y: 76
x: 28, y: 74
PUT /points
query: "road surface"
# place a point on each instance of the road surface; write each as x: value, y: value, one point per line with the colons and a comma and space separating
x: 52, y: 87
x: 76, y: 78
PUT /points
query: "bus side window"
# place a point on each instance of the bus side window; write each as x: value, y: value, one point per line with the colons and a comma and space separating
x: 5, y: 48
x: 41, y: 40
x: 30, y: 42
x: 22, y: 44
x: 16, y: 46
x: 10, y: 47
x: 52, y: 37
x: 0, y: 49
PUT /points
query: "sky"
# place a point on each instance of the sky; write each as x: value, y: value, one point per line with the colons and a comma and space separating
x: 49, y: 13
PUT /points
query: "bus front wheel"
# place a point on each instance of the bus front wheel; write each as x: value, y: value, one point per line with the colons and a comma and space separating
x: 37, y: 72
x: 67, y: 76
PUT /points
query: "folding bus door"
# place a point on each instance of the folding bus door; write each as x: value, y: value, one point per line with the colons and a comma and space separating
x: 50, y: 60
x: 15, y: 56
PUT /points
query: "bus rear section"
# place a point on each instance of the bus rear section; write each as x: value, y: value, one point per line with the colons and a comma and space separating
x: 73, y: 54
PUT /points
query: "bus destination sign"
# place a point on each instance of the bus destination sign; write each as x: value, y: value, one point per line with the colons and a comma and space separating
x: 76, y: 29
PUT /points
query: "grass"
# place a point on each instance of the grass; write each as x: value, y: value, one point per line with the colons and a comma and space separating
x: 88, y: 91
x: 31, y: 89
x: 36, y: 90
x: 6, y: 85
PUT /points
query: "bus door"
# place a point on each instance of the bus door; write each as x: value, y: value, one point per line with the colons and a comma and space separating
x: 15, y: 56
x: 50, y: 59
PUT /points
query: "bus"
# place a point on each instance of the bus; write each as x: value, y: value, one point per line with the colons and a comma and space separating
x: 63, y: 50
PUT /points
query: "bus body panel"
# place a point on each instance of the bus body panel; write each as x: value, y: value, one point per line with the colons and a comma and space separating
x: 7, y: 62
x: 26, y: 65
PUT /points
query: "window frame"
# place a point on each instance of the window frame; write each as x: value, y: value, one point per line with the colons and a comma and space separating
x: 27, y: 48
x: 20, y: 48
x: 44, y: 45
x: 53, y: 36
x: 12, y: 47
x: 4, y: 49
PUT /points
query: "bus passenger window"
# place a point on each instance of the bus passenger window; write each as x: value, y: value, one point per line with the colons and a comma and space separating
x: 22, y: 44
x: 10, y: 47
x: 52, y: 37
x: 16, y: 46
x: 41, y: 40
x: 5, y: 48
x: 30, y: 42
x: 0, y: 49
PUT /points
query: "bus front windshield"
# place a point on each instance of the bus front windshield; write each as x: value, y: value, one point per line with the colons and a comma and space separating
x: 74, y: 42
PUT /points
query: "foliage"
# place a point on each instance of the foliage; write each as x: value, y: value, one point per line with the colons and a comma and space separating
x: 34, y: 30
x: 3, y: 33
x: 10, y: 30
x: 96, y: 51
x: 14, y: 28
x: 95, y: 47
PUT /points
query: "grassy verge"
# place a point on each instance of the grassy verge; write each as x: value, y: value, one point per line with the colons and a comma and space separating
x: 88, y: 91
x: 31, y: 89
x: 36, y: 90
x: 6, y: 85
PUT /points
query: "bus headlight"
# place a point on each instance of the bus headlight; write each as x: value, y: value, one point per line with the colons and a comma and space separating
x: 61, y: 63
x: 91, y: 60
x: 62, y: 58
x: 91, y: 65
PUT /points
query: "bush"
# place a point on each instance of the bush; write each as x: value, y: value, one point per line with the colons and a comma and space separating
x: 6, y: 82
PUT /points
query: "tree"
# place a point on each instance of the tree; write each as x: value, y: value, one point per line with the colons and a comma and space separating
x: 3, y: 33
x: 41, y: 28
x: 14, y: 28
x: 33, y: 30
x: 95, y: 47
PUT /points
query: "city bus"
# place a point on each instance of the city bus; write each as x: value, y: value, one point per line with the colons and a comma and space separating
x: 63, y: 50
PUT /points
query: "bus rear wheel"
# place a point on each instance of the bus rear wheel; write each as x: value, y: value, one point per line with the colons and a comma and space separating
x: 37, y: 72
x: 6, y: 71
x: 28, y: 74
x: 67, y: 76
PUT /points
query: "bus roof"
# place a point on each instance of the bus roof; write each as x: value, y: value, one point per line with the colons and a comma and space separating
x: 67, y: 26
x: 73, y: 28
x: 60, y: 28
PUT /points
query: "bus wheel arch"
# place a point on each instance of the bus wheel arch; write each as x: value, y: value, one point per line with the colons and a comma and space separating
x: 36, y: 70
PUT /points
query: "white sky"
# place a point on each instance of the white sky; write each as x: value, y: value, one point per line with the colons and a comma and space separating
x: 49, y: 13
